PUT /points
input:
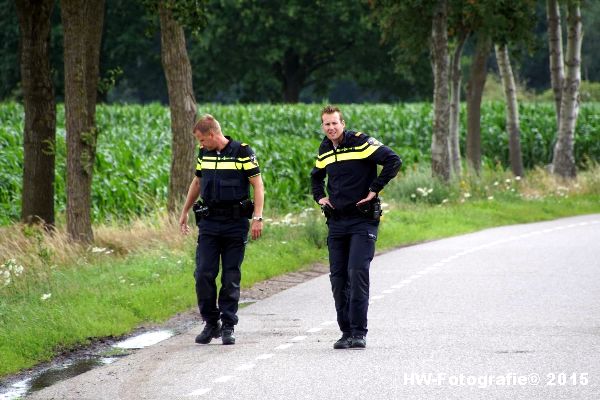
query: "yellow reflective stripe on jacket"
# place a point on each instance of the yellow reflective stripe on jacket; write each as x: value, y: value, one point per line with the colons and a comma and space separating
x: 226, y: 164
x: 199, y: 164
x: 221, y: 164
x: 356, y: 153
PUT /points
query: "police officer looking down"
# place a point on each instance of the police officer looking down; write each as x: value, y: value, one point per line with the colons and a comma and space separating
x: 349, y: 161
x: 225, y: 170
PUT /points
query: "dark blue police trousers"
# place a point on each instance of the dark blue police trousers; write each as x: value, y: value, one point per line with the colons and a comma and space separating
x: 351, y: 243
x: 220, y: 241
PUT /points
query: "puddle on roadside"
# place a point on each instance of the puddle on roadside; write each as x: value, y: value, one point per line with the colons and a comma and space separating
x: 144, y: 340
x: 76, y: 367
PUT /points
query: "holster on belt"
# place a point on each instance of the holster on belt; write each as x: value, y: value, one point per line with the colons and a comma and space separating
x: 371, y: 210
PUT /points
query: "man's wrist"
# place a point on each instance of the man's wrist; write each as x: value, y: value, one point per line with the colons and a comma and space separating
x: 257, y: 218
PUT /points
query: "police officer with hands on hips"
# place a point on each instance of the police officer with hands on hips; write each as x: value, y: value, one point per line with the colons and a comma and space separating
x: 225, y: 170
x: 349, y: 161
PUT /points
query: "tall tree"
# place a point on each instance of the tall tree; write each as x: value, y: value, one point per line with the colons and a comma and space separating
x: 557, y: 74
x: 440, y: 157
x: 182, y: 103
x: 281, y: 48
x: 397, y: 22
x: 455, y: 90
x: 563, y: 162
x: 512, y: 109
x: 82, y: 23
x: 40, y: 111
x: 475, y: 87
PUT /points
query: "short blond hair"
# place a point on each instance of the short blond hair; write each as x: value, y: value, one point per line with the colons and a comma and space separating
x: 329, y: 109
x: 206, y: 124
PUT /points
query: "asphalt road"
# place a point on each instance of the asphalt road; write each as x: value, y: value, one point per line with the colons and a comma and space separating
x: 511, y: 312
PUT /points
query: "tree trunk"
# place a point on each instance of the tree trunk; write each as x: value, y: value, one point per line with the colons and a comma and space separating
x: 456, y: 78
x: 512, y: 109
x: 182, y: 103
x: 563, y: 163
x: 440, y: 157
x: 474, y: 94
x: 82, y: 23
x: 557, y: 74
x: 292, y: 75
x: 40, y: 111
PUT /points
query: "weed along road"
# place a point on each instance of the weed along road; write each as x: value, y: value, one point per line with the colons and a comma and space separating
x: 510, y: 312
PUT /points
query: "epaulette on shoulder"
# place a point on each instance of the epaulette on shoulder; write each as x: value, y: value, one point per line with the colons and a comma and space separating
x: 357, y: 134
x: 244, y: 144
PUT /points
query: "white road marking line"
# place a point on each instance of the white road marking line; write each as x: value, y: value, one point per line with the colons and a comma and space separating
x: 199, y: 392
x: 387, y: 291
x: 415, y: 276
x: 582, y: 223
x: 328, y: 323
x: 440, y: 264
x: 284, y: 346
x: 397, y: 286
x: 265, y: 356
x: 405, y: 281
x: 313, y: 330
x: 377, y: 297
x: 298, y: 338
x: 245, y: 367
x: 223, y: 379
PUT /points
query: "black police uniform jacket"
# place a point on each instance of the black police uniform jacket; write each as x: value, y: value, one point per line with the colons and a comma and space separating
x: 351, y: 169
x: 225, y: 175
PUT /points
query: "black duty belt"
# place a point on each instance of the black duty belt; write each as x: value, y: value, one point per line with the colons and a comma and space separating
x: 370, y: 210
x: 241, y: 209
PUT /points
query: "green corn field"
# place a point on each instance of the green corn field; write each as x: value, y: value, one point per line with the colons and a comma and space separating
x: 133, y: 159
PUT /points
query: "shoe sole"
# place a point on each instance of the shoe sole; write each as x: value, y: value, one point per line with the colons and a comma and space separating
x: 341, y: 347
x: 215, y: 336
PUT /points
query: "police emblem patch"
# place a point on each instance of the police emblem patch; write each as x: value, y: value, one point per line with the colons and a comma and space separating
x: 253, y: 159
x: 374, y: 142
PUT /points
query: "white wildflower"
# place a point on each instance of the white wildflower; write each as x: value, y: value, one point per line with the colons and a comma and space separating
x: 507, y: 181
x: 444, y: 201
x: 46, y: 296
x: 496, y: 183
x: 98, y: 249
x: 467, y: 195
x: 18, y: 270
x: 283, y: 242
x: 490, y: 197
x: 413, y: 196
x: 155, y: 275
x: 517, y: 178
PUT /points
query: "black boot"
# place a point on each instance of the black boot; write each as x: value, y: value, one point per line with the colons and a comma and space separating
x: 227, y: 334
x: 358, y: 342
x: 344, y: 342
x: 211, y: 330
